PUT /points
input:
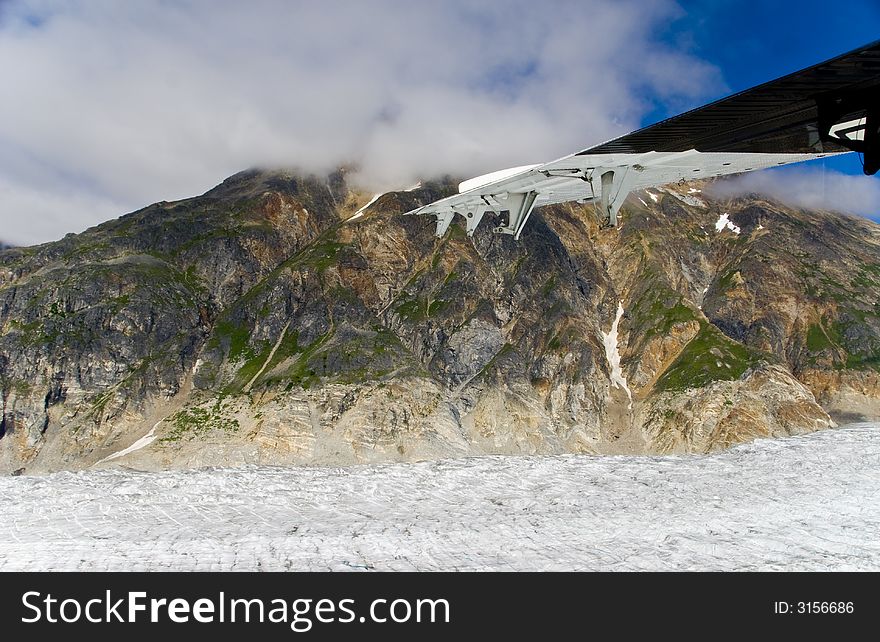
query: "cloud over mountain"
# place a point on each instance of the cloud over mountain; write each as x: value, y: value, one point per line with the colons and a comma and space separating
x: 112, y: 105
x: 809, y: 186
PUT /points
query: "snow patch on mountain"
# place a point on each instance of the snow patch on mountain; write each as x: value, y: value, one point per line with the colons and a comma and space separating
x: 143, y: 442
x: 612, y: 353
x: 724, y: 222
x: 361, y: 211
x: 691, y: 200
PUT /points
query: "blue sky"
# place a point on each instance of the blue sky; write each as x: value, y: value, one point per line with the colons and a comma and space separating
x: 753, y: 42
x: 109, y: 106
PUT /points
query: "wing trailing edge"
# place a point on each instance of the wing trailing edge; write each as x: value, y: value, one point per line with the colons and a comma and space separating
x: 827, y: 109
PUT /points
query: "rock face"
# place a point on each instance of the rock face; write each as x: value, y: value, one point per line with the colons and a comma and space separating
x: 256, y: 324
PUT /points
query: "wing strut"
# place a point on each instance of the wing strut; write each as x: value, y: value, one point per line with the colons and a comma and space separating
x: 443, y: 221
x: 519, y: 206
x: 615, y: 186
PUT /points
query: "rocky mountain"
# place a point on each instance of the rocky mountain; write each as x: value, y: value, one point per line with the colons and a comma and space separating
x: 265, y: 322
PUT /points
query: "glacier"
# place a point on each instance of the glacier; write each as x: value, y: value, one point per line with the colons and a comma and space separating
x: 798, y: 503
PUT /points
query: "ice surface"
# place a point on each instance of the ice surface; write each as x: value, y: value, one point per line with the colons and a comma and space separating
x: 801, y: 503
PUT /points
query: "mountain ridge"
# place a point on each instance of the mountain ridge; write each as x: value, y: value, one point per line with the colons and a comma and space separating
x: 256, y: 324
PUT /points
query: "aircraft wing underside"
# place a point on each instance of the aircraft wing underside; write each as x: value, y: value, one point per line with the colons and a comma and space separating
x: 828, y: 109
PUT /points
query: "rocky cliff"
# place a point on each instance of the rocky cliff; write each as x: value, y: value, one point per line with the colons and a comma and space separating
x: 261, y: 323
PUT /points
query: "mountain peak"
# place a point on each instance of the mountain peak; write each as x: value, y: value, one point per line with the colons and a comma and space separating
x: 259, y: 322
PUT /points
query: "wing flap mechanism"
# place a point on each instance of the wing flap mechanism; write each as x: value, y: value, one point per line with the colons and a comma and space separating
x: 830, y: 108
x: 852, y: 120
x: 605, y: 180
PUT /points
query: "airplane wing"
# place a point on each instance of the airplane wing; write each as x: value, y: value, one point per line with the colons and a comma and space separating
x: 828, y: 109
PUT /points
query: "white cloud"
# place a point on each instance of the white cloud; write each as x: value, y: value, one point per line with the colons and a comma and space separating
x: 31, y: 214
x: 118, y: 104
x: 810, y: 187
